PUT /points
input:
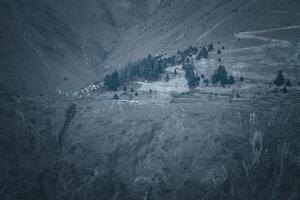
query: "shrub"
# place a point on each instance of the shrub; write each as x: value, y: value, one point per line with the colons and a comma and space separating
x: 231, y: 80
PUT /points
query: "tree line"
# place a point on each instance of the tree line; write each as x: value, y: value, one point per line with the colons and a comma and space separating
x: 150, y: 68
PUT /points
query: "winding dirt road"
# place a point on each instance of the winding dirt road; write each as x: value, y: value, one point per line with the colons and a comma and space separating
x: 269, y: 42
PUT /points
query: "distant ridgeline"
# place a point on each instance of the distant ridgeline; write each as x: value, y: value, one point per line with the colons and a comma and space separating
x: 151, y: 68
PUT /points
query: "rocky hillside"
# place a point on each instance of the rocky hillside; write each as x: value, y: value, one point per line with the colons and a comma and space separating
x: 193, y: 148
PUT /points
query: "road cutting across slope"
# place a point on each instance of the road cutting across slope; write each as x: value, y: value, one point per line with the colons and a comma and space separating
x: 270, y: 42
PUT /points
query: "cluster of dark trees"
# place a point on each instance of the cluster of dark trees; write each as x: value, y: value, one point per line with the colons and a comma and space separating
x: 281, y: 81
x: 203, y: 53
x: 112, y: 81
x: 190, y: 75
x: 182, y: 56
x: 149, y: 68
x: 200, y: 53
x: 190, y: 51
x: 221, y: 76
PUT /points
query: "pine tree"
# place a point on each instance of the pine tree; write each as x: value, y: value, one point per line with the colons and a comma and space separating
x: 107, y: 81
x: 204, y: 53
x: 116, y: 97
x: 231, y: 80
x: 288, y: 83
x: 284, y: 90
x: 210, y: 47
x: 279, y: 81
x: 167, y: 78
x: 220, y: 75
x: 175, y: 72
x: 114, y: 81
x: 206, y: 81
x: 198, y: 57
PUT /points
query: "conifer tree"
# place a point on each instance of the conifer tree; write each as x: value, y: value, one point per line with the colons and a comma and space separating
x: 279, y: 81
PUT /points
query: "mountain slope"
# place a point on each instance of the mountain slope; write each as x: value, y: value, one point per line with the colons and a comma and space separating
x: 48, y: 46
x: 198, y: 23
